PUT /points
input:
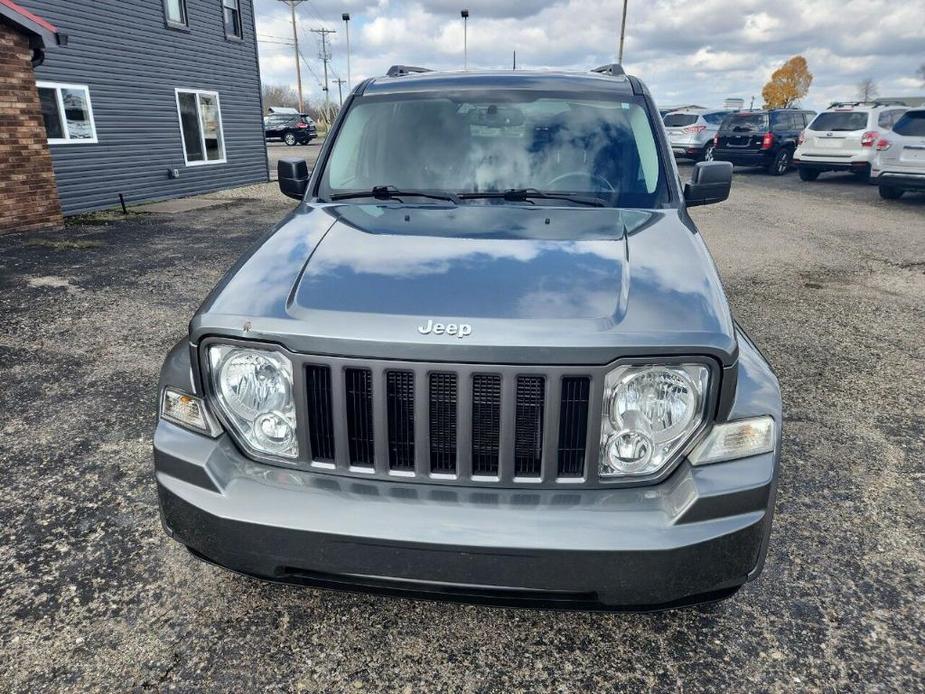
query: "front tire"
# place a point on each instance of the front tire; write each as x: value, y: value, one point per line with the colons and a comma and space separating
x: 780, y: 163
x: 290, y: 139
x: 890, y: 193
x: 808, y: 174
x: 707, y: 153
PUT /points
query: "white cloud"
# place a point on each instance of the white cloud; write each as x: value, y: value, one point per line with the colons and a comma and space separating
x: 695, y: 52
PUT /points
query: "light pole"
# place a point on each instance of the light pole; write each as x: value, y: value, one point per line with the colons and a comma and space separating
x: 295, y: 41
x: 622, y: 31
x: 465, y: 17
x: 346, y: 17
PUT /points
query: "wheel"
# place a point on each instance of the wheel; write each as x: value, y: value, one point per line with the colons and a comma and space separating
x: 707, y: 153
x: 808, y: 174
x: 290, y: 139
x: 780, y: 163
x: 890, y: 193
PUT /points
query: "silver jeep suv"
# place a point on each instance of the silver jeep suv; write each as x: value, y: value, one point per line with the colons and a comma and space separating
x: 486, y: 357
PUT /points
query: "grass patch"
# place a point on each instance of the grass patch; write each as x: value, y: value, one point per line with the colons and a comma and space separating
x: 102, y: 217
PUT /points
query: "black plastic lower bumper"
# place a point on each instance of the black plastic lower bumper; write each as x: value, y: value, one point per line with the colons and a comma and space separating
x: 857, y: 166
x: 903, y: 182
x: 740, y: 158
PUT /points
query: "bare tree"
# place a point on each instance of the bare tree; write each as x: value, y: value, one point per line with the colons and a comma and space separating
x: 279, y: 95
x: 867, y: 89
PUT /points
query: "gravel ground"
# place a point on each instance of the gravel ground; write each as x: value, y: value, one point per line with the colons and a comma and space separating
x: 827, y: 278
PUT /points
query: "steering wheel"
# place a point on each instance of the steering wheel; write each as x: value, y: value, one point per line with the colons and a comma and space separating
x: 594, y: 178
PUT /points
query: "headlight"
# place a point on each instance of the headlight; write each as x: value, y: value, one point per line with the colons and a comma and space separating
x: 649, y: 414
x: 253, y: 388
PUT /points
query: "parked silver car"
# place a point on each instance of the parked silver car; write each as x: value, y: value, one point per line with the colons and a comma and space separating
x: 691, y: 131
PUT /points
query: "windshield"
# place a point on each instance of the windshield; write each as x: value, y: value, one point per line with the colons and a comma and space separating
x: 912, y: 123
x: 842, y: 121
x: 493, y: 141
x: 746, y: 122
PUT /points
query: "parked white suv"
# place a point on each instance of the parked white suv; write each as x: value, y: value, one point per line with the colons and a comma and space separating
x: 691, y: 131
x: 899, y: 164
x: 843, y: 138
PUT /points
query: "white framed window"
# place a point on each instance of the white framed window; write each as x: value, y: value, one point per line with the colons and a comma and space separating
x: 200, y: 114
x: 231, y: 10
x: 67, y: 113
x: 175, y: 13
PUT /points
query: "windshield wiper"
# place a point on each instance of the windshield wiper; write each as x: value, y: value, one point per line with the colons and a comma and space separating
x: 393, y: 193
x: 527, y: 194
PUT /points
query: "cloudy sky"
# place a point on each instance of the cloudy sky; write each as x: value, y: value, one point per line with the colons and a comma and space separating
x: 688, y: 51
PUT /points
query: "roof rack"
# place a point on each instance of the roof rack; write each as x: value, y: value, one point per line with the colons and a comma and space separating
x: 611, y: 70
x: 875, y: 103
x: 405, y: 70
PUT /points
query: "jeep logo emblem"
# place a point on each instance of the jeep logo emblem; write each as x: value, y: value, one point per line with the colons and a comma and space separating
x: 460, y: 330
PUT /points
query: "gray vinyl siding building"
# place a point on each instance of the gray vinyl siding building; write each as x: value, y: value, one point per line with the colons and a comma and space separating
x: 132, y: 62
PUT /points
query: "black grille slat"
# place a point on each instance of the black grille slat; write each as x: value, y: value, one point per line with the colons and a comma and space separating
x: 486, y: 423
x: 573, y: 426
x: 320, y: 423
x: 443, y: 399
x: 528, y: 426
x: 400, y: 403
x: 359, y: 401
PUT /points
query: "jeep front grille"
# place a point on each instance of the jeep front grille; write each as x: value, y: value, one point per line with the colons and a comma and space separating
x: 400, y: 394
x: 321, y: 433
x: 486, y: 423
x: 358, y: 384
x: 451, y: 424
x: 528, y: 426
x: 573, y: 415
x: 443, y: 423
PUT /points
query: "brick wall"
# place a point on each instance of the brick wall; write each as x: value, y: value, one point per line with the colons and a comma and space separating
x: 28, y: 194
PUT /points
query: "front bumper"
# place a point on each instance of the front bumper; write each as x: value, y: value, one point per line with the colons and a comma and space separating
x: 699, y: 534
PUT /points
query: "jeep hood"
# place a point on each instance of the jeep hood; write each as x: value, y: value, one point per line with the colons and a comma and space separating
x: 536, y: 284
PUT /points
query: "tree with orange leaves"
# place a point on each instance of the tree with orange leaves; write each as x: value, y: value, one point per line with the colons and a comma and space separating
x: 788, y: 84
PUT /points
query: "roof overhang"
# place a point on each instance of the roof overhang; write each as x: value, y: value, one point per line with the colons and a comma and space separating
x: 41, y: 32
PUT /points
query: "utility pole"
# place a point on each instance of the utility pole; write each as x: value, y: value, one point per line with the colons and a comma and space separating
x: 340, y: 93
x: 295, y: 39
x: 346, y: 17
x: 515, y: 59
x: 622, y: 32
x: 325, y: 56
x: 465, y: 17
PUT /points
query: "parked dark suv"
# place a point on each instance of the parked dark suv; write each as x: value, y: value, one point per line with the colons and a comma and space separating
x: 486, y: 357
x: 761, y: 138
x: 293, y: 129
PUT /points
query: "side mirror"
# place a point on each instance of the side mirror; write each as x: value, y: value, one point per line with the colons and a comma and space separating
x: 293, y: 175
x: 710, y: 183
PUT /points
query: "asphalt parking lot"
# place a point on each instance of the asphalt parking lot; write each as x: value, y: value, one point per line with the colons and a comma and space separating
x: 827, y: 278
